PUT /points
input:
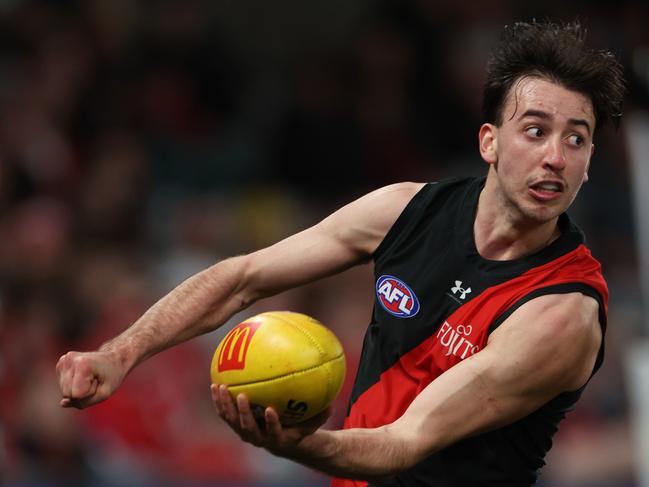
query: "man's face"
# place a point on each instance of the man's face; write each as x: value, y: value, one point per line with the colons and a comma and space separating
x: 541, y: 151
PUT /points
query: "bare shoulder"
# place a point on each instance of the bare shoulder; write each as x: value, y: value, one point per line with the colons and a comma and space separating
x: 392, y: 198
x: 557, y: 315
x: 385, y: 204
x: 363, y: 223
x: 403, y: 189
x: 565, y: 315
x: 560, y: 331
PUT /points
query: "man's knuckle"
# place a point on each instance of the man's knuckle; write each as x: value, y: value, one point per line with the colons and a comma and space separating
x: 81, y: 361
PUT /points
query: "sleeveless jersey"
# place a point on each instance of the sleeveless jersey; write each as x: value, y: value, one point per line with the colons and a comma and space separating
x: 437, y: 301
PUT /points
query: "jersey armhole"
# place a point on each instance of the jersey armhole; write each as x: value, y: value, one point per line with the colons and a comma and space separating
x: 564, y: 288
x: 397, y: 229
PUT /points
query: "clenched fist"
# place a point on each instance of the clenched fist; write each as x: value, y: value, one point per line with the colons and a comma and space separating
x: 87, y: 378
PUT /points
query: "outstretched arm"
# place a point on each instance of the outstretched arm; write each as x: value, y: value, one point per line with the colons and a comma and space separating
x: 206, y: 300
x: 547, y: 346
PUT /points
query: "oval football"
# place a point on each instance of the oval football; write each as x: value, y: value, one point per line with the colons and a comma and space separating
x: 286, y: 360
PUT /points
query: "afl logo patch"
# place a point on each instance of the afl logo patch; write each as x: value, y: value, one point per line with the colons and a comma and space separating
x: 396, y: 297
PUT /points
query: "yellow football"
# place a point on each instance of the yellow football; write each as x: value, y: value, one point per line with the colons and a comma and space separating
x: 282, y: 359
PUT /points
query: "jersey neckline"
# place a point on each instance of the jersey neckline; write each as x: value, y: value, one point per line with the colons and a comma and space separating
x: 571, y: 237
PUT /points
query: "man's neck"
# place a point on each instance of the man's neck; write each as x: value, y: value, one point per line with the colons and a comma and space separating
x: 500, y: 236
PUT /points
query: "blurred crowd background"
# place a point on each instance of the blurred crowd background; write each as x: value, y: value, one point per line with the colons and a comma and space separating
x: 141, y: 141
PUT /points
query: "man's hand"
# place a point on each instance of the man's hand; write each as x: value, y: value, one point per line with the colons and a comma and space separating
x: 271, y: 435
x: 88, y: 378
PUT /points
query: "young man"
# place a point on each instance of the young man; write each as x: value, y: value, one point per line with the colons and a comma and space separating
x: 498, y: 322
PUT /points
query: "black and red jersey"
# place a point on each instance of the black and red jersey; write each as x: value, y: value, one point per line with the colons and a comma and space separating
x: 437, y: 301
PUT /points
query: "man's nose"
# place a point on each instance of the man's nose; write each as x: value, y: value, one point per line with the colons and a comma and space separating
x: 555, y: 156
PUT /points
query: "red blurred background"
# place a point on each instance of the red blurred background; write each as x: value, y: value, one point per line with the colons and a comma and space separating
x: 142, y: 141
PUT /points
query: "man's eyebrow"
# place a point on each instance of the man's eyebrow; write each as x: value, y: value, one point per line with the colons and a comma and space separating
x: 546, y: 116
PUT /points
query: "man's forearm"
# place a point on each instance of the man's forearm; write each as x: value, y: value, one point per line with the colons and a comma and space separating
x: 196, y: 306
x: 355, y: 453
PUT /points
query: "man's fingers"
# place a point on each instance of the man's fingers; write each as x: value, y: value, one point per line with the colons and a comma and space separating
x: 246, y: 418
x: 273, y: 426
x: 228, y: 409
x: 87, y: 378
x: 77, y: 379
x: 84, y: 382
x: 65, y: 371
x: 249, y: 427
x: 72, y: 403
x: 94, y: 387
x: 239, y: 416
x: 214, y: 391
x: 238, y: 413
x: 67, y: 402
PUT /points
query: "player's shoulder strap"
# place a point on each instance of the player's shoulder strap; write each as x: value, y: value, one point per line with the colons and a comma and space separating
x: 428, y: 199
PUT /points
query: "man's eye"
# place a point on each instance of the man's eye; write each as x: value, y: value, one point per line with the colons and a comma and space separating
x: 575, y: 139
x: 534, y: 132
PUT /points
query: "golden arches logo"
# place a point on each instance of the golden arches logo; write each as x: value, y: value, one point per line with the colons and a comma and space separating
x: 235, y: 346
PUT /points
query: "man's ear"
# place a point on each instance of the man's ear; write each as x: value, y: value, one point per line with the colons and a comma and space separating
x: 488, y: 138
x: 592, y: 151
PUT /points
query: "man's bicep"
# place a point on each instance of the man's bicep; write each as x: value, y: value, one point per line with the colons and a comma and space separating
x: 547, y: 346
x: 342, y: 240
x: 557, y: 338
x: 297, y: 260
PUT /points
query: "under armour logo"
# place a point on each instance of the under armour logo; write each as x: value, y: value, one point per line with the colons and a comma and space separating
x: 459, y: 289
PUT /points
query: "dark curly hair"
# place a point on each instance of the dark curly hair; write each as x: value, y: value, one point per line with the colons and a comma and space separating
x: 557, y: 52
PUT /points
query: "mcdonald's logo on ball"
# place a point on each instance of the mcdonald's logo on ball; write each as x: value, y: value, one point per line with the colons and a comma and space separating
x: 235, y: 346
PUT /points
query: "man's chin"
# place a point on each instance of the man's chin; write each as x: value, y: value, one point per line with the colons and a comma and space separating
x: 543, y: 214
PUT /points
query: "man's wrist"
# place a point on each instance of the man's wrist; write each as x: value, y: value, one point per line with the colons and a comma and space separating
x: 309, y: 450
x: 120, y: 355
x: 344, y: 454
